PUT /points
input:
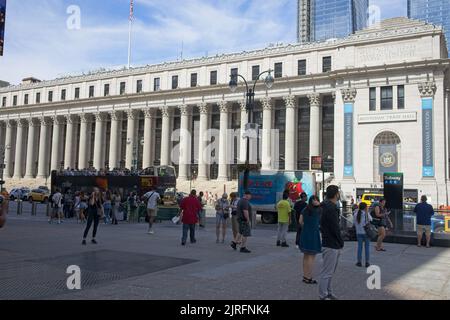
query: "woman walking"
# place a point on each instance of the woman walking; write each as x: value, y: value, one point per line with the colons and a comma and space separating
x: 107, y: 207
x: 94, y: 212
x: 222, y: 215
x: 310, y: 243
x: 380, y: 220
x: 361, y: 218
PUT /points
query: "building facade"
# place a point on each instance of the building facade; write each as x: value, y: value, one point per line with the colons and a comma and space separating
x: 320, y: 20
x: 373, y: 102
x: 431, y: 11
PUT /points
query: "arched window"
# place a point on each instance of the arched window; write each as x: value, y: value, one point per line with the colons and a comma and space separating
x: 386, y: 154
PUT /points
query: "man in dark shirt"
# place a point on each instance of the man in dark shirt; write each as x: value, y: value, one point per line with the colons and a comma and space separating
x: 244, y: 213
x: 299, y: 206
x: 332, y: 242
x: 424, y: 212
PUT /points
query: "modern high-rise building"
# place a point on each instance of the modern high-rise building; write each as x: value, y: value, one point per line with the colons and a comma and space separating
x: 326, y: 19
x: 433, y: 11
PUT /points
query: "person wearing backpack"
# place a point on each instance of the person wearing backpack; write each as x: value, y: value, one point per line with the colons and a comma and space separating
x: 362, y: 219
x: 152, y: 198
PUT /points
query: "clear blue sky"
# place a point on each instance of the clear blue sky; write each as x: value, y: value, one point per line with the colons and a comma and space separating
x: 38, y: 42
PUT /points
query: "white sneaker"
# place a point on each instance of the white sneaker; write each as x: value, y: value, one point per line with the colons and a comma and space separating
x: 150, y: 231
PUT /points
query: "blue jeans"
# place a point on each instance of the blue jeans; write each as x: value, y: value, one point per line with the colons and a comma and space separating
x: 191, y: 228
x: 107, y: 217
x: 363, y: 238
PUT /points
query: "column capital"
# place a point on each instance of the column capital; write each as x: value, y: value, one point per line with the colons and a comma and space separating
x: 70, y: 119
x: 165, y: 111
x: 21, y: 123
x: 149, y: 113
x: 44, y: 121
x: 131, y: 114
x: 203, y: 108
x: 333, y: 95
x: 427, y: 89
x: 100, y: 117
x: 57, y: 120
x: 115, y: 115
x: 243, y: 105
x: 10, y: 123
x: 31, y: 122
x: 314, y: 99
x: 184, y: 110
x: 349, y: 94
x: 223, y: 106
x: 267, y: 103
x: 85, y: 117
x: 290, y: 101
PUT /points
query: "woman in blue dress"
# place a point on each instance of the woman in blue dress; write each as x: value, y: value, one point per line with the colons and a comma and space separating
x: 310, y: 243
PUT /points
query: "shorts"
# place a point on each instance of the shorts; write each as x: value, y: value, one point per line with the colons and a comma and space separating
x: 57, y: 210
x: 220, y: 218
x: 151, y: 212
x: 423, y: 228
x: 244, y: 228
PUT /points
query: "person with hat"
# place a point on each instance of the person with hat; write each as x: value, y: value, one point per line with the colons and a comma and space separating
x: 222, y: 215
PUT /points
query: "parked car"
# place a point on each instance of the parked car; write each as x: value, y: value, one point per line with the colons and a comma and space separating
x: 371, y: 198
x: 19, y: 193
x: 39, y: 195
x: 45, y: 188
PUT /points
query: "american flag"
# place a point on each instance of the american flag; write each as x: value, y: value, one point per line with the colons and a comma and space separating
x: 131, y: 10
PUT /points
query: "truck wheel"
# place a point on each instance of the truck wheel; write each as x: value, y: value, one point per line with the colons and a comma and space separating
x: 268, y: 218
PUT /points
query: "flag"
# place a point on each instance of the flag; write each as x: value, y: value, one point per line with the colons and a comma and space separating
x: 131, y: 10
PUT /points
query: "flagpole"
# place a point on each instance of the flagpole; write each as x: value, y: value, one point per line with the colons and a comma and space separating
x: 129, y: 43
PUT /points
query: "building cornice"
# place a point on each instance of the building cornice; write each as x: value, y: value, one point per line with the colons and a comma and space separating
x: 361, y: 38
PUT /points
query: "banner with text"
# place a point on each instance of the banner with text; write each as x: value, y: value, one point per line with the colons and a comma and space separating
x: 427, y: 137
x: 348, y: 140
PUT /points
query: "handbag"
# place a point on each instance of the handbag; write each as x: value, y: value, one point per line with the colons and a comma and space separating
x: 371, y: 230
x: 176, y: 219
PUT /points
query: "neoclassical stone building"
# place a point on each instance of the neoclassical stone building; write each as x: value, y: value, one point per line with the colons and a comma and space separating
x: 373, y: 102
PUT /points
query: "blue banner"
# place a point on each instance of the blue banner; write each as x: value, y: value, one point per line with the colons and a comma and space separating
x: 348, y: 140
x: 427, y: 137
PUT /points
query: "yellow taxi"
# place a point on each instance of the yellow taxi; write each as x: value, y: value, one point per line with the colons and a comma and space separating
x: 369, y: 198
x: 39, y: 195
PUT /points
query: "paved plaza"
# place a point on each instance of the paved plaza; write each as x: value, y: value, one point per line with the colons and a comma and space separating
x: 130, y: 264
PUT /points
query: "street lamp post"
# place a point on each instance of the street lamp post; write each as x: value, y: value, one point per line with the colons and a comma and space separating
x: 250, y: 99
x: 2, y: 164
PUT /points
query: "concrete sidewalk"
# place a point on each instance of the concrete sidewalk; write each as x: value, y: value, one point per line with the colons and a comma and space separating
x: 130, y: 264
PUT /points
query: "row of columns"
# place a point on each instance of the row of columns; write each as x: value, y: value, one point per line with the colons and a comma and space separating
x: 99, y: 155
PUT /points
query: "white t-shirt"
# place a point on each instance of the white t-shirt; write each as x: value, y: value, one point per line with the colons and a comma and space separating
x: 57, y: 199
x: 152, y: 199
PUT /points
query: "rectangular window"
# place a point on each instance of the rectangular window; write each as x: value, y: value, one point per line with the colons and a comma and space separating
x: 401, y: 97
x: 122, y: 88
x: 38, y: 97
x: 326, y: 64
x: 255, y: 72
x: 25, y: 100
x: 373, y: 99
x: 63, y: 94
x: 278, y: 70
x: 106, y: 90
x: 4, y: 102
x: 50, y: 96
x: 139, y: 86
x: 301, y: 67
x: 77, y: 93
x: 14, y: 100
x: 386, y: 98
x: 234, y: 74
x: 174, y: 82
x: 213, y: 78
x: 193, y: 80
x: 91, y: 91
x: 156, y: 84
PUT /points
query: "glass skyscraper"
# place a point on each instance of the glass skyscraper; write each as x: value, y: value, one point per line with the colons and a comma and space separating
x: 326, y: 19
x: 432, y: 11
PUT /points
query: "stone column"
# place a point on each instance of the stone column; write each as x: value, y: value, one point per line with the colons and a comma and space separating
x: 266, y: 162
x: 165, y: 137
x: 8, y: 148
x: 19, y: 150
x: 69, y: 160
x: 185, y: 142
x: 289, y: 154
x: 348, y: 96
x: 131, y: 137
x: 29, y: 169
x: 202, y: 146
x: 43, y: 149
x: 85, y: 130
x: 223, y: 143
x: 243, y: 141
x: 116, y: 122
x: 99, y: 141
x: 314, y: 126
x: 147, y: 159
x: 55, y: 160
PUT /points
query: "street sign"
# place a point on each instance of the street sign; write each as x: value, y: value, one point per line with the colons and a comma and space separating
x: 393, y: 190
x: 316, y: 163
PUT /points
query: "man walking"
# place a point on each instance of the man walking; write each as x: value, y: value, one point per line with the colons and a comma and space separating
x: 284, y: 219
x: 57, y: 211
x: 332, y: 242
x: 424, y: 212
x: 190, y: 206
x: 244, y: 213
x: 152, y: 197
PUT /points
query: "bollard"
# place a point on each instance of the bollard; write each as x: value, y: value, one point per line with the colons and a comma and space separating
x: 19, y: 207
x: 48, y: 210
x: 33, y: 208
